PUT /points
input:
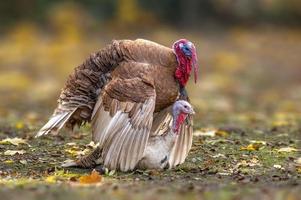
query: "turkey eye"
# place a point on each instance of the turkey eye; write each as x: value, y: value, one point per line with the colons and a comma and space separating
x: 185, y: 106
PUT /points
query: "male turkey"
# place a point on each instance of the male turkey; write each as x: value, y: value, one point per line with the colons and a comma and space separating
x: 162, y: 145
x: 125, y: 89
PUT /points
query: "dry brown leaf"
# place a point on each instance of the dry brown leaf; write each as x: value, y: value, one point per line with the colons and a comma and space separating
x: 93, y: 178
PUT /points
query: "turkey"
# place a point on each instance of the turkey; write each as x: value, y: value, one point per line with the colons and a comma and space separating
x: 161, y: 147
x: 125, y: 89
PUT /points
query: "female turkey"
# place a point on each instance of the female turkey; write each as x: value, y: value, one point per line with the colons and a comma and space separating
x: 162, y: 145
x: 125, y: 89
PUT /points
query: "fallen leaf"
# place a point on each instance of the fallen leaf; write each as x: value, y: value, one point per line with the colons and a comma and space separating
x: 218, y: 156
x: 77, y: 153
x: 92, y: 144
x: 280, y: 123
x: 251, y: 147
x: 24, y: 162
x: 71, y: 144
x: 221, y: 133
x: 50, y: 179
x: 14, y: 152
x: 287, y: 149
x: 19, y: 125
x: 209, y: 133
x: 14, y: 141
x: 298, y: 161
x: 111, y: 173
x: 248, y: 163
x: 278, y: 166
x: 224, y: 173
x: 93, y: 178
x: 213, y: 142
x: 9, y: 161
x: 258, y: 142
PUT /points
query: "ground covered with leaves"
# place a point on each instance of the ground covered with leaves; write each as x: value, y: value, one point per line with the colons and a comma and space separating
x: 247, y: 137
x: 224, y: 163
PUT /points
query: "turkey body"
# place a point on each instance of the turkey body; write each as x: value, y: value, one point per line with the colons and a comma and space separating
x: 122, y: 59
x: 160, y: 77
x: 157, y: 152
x: 125, y: 90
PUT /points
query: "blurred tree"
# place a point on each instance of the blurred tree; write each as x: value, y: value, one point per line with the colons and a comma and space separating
x: 189, y: 13
x: 127, y: 11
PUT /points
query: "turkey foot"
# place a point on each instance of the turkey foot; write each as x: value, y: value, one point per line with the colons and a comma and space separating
x: 88, y: 161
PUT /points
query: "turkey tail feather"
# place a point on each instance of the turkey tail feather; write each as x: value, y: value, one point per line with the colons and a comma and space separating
x: 55, y: 123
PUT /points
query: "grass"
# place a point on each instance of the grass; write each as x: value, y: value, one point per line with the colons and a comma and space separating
x: 216, y: 167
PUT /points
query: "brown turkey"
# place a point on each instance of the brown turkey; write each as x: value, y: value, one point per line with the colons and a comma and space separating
x: 125, y: 89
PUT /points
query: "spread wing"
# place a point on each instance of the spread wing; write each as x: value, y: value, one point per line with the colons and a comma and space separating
x: 183, y: 144
x: 122, y: 120
x: 161, y: 123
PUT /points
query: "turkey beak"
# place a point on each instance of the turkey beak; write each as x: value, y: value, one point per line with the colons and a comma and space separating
x: 192, y: 112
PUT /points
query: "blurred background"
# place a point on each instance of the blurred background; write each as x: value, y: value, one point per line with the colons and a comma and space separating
x: 248, y: 51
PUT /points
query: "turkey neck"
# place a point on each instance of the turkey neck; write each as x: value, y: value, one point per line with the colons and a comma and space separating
x: 167, y: 89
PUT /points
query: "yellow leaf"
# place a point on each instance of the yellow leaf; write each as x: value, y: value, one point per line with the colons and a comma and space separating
x: 19, y: 125
x: 75, y: 152
x: 14, y: 141
x: 9, y: 161
x: 287, y: 149
x: 13, y: 152
x: 50, y: 179
x: 71, y: 151
x: 251, y: 147
x: 299, y: 170
x: 280, y: 123
x: 221, y: 133
x: 94, y: 177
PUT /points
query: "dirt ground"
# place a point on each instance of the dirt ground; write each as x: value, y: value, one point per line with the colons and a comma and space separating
x: 247, y: 142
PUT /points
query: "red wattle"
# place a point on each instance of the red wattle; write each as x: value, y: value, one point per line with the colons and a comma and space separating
x: 179, y: 121
x: 186, y: 64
